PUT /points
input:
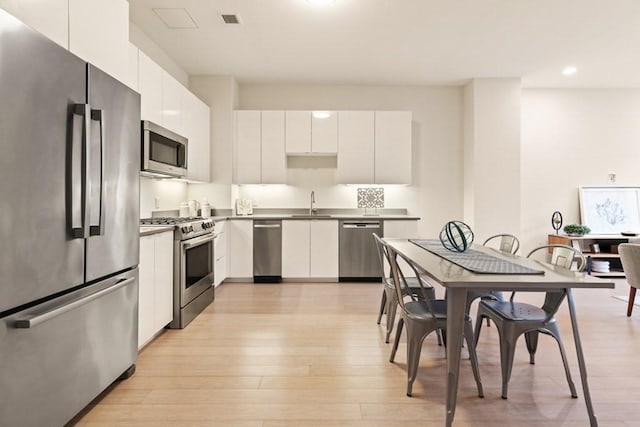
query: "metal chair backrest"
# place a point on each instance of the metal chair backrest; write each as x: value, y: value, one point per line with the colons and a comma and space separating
x: 403, y: 290
x: 562, y: 256
x: 630, y: 257
x: 508, y: 243
x: 383, y: 257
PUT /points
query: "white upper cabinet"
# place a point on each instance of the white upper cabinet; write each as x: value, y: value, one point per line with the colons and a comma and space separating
x: 150, y: 88
x: 311, y: 132
x: 49, y: 17
x: 132, y: 67
x: 393, y: 147
x: 248, y: 146
x: 356, y: 147
x: 298, y: 132
x: 198, y: 117
x: 273, y: 163
x: 95, y: 30
x: 324, y: 132
x: 173, y: 105
x: 99, y: 34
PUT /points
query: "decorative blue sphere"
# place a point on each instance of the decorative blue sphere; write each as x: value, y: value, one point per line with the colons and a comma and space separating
x: 456, y: 236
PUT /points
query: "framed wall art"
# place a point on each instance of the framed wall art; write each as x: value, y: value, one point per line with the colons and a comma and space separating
x: 610, y: 210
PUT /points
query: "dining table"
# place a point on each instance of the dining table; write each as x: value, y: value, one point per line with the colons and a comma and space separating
x: 459, y: 280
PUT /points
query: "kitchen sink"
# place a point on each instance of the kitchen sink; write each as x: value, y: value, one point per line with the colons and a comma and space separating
x: 310, y: 216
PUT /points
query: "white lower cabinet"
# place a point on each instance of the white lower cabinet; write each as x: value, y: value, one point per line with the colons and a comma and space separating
x: 155, y: 298
x: 295, y: 249
x: 323, y: 249
x: 220, y: 261
x: 309, y: 249
x: 240, y: 235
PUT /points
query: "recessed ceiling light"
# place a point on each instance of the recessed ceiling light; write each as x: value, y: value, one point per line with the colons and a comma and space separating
x: 569, y: 70
x: 321, y: 2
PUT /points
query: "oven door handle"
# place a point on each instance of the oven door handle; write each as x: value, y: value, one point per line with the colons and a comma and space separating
x: 197, y: 242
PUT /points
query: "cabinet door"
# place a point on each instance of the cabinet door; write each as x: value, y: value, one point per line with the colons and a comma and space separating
x: 355, y: 147
x: 295, y: 248
x: 393, y: 147
x: 145, y: 290
x: 273, y: 161
x: 247, y: 153
x: 99, y: 33
x: 324, y: 132
x: 198, y: 134
x: 220, y: 253
x: 150, y: 89
x: 49, y: 17
x: 173, y: 100
x: 240, y: 235
x: 298, y: 132
x: 132, y: 67
x: 324, y: 248
x: 163, y: 289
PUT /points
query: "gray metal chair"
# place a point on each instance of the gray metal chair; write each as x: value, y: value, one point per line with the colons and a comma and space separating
x: 389, y: 300
x: 421, y: 317
x: 630, y: 257
x: 515, y: 318
x: 507, y: 243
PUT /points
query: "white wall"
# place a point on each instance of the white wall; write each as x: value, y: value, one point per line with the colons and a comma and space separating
x: 492, y: 156
x: 435, y: 194
x: 573, y: 138
x: 155, y: 52
x: 169, y: 194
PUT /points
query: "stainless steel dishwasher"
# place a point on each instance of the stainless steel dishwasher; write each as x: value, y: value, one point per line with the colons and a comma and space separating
x: 358, y: 256
x: 267, y: 251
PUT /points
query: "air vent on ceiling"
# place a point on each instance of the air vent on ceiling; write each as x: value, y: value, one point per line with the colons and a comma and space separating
x: 230, y: 19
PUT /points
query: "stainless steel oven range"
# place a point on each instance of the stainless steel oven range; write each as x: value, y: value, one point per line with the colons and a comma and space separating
x: 193, y: 258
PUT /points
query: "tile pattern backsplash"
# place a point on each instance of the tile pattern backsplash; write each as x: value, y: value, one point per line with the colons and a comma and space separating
x: 371, y: 197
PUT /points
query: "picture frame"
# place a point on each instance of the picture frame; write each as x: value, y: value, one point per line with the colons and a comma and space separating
x: 595, y: 248
x: 610, y: 210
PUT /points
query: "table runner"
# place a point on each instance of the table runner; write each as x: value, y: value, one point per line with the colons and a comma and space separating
x: 473, y: 260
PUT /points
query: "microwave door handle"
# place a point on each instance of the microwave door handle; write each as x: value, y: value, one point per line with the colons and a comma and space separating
x: 98, y: 230
x: 79, y: 202
x: 182, y: 155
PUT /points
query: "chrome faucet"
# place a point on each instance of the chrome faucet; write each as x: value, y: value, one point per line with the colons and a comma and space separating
x: 312, y: 211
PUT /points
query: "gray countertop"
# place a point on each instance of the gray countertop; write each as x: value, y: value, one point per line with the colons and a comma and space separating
x: 146, y: 230
x: 321, y: 217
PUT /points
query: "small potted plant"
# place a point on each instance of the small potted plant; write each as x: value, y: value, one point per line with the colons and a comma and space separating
x: 576, y: 229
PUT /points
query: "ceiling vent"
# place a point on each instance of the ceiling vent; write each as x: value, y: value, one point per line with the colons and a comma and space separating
x: 175, y: 18
x: 230, y: 19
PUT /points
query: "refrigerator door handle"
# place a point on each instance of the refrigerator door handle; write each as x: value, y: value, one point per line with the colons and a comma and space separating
x: 79, y: 211
x: 98, y: 230
x: 34, y: 321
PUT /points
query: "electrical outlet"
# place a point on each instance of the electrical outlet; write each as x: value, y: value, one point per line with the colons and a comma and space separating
x: 611, y: 178
x: 156, y: 202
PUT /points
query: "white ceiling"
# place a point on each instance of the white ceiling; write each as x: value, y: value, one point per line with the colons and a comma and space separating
x: 405, y: 42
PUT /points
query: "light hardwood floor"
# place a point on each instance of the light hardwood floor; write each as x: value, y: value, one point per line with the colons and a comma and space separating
x: 284, y: 355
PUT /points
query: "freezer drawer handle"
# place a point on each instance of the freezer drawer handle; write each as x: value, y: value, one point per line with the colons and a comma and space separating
x: 266, y: 226
x: 98, y: 230
x: 41, y: 318
x: 361, y: 226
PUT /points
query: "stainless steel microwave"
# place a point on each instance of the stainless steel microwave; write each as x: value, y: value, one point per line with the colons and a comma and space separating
x: 164, y: 153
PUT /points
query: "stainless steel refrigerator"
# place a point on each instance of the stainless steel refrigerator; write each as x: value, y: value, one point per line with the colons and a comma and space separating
x: 69, y: 201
